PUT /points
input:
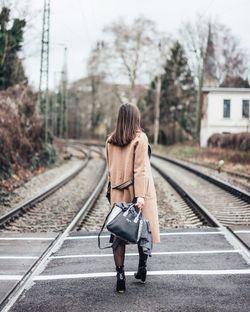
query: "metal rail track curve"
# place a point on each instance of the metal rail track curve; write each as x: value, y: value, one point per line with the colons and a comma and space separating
x: 46, y: 192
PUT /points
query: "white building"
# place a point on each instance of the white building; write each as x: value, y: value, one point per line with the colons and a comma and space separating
x: 224, y: 110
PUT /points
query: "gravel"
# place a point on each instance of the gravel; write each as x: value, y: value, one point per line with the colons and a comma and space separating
x: 33, y: 186
x: 240, y: 182
x: 173, y: 211
x: 55, y: 212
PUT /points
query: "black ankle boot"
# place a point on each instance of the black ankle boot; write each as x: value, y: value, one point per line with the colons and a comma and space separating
x: 141, y: 273
x: 142, y: 268
x: 120, y: 284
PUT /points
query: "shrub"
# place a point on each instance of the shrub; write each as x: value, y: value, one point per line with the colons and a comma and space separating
x: 21, y: 132
x: 213, y: 140
x: 236, y: 141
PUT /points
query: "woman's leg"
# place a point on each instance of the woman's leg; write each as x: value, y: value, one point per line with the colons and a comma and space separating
x: 119, y: 254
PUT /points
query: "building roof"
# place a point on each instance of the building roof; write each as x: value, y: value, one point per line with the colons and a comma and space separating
x: 217, y: 89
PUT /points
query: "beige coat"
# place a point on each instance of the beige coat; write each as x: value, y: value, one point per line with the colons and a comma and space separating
x: 130, y: 164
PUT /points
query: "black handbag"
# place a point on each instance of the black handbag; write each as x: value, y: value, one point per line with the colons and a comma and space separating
x: 125, y: 222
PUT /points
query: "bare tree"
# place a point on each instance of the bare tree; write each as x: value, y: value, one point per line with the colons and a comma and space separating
x: 132, y: 49
x: 138, y: 52
x: 195, y: 38
x: 214, y: 54
x: 232, y: 61
x: 132, y: 52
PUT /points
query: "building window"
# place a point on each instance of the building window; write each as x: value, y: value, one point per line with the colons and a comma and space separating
x: 226, y: 108
x: 245, y: 108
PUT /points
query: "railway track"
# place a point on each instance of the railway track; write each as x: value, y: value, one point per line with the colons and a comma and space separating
x: 229, y: 204
x: 26, y: 209
x: 181, y: 214
x: 205, y: 197
x: 27, y: 280
x: 173, y: 211
x: 203, y: 210
x: 217, y: 203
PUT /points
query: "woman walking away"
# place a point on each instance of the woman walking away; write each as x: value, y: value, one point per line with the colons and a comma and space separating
x: 130, y: 179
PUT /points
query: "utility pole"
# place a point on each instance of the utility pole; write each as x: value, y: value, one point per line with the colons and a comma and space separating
x: 43, y: 94
x: 55, y: 106
x: 64, y: 96
x: 158, y: 94
x: 78, y: 115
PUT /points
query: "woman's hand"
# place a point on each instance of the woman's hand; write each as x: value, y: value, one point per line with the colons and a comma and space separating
x: 140, y: 203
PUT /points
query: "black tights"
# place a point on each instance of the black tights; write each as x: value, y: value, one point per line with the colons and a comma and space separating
x: 119, y: 255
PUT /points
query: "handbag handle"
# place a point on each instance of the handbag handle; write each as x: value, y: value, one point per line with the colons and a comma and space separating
x: 127, y: 210
x: 99, y: 234
x: 138, y: 216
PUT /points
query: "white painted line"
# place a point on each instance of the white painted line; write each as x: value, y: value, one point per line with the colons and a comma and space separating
x: 170, y: 272
x: 10, y: 277
x: 201, y: 272
x: 153, y: 253
x: 242, y: 231
x: 190, y: 233
x: 161, y: 234
x: 18, y: 257
x: 27, y: 238
x: 86, y: 237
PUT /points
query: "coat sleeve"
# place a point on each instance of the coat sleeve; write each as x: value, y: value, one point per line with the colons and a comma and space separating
x: 140, y: 159
x: 107, y: 158
x: 108, y: 192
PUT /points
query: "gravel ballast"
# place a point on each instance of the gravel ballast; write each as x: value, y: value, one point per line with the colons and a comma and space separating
x: 56, y: 211
x: 35, y: 184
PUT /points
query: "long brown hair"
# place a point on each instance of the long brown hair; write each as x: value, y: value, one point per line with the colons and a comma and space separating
x: 128, y: 122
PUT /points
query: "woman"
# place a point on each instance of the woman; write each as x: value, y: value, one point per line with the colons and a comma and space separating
x: 130, y: 179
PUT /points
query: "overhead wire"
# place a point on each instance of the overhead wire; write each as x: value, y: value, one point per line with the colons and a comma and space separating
x: 225, y: 11
x: 206, y: 10
x: 85, y: 21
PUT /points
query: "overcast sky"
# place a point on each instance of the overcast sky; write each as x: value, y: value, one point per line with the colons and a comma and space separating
x: 79, y: 23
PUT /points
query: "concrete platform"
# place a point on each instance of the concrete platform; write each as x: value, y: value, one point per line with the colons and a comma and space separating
x: 244, y: 234
x: 188, y: 293
x: 18, y: 252
x: 190, y: 270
